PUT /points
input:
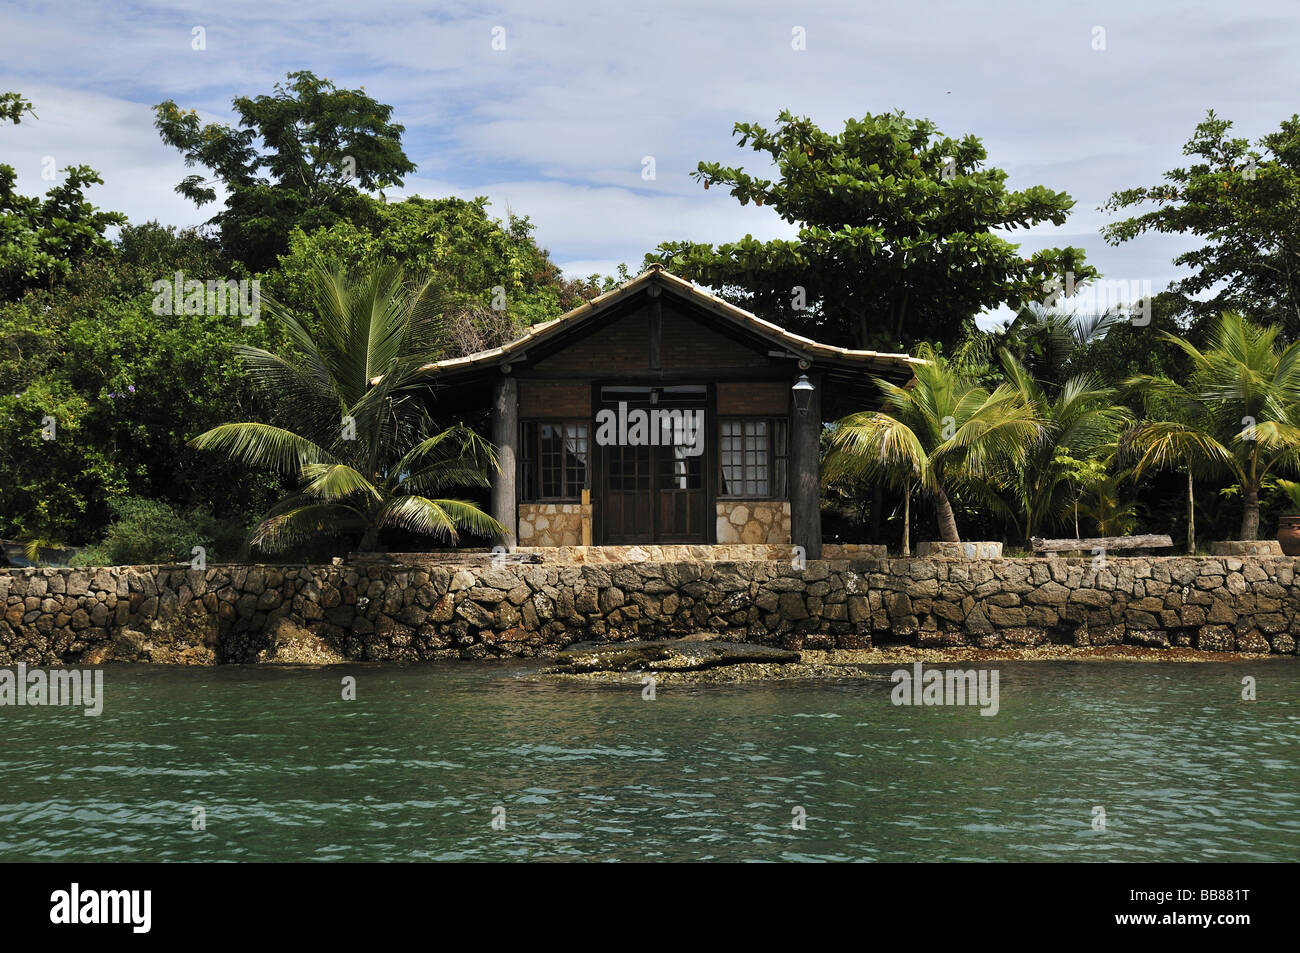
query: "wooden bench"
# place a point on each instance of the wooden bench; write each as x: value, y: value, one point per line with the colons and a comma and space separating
x: 1106, y: 544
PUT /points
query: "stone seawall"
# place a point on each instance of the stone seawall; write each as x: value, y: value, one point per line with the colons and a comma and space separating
x: 241, y: 614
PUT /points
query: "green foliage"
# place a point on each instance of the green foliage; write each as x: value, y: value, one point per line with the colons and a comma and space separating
x: 1124, y: 349
x: 128, y: 388
x: 899, y: 233
x: 351, y: 422
x: 1292, y: 490
x: 1104, y: 500
x: 145, y: 531
x: 1080, y: 422
x: 467, y: 251
x: 304, y: 156
x: 1240, y: 201
x: 13, y: 106
x: 1047, y: 343
x: 945, y: 433
x: 1238, y: 410
x: 52, y: 489
x: 42, y: 241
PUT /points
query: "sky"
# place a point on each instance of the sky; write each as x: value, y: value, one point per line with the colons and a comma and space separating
x: 1084, y: 97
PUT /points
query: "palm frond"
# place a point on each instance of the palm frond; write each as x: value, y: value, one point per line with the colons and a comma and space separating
x: 336, y: 481
x: 262, y: 445
x: 442, y: 519
x: 292, y: 527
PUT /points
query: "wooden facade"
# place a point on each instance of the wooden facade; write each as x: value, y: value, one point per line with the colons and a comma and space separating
x: 658, y: 413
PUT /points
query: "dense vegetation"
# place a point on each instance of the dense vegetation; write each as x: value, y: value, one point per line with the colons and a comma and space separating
x: 101, y: 395
x: 114, y: 394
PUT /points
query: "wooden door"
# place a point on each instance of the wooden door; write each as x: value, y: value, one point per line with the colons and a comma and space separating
x: 679, y: 488
x: 629, y: 479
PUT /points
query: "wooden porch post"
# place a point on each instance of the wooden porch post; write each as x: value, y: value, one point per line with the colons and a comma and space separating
x: 805, y: 474
x: 505, y: 436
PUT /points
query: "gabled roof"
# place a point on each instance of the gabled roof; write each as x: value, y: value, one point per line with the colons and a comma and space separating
x: 885, y: 364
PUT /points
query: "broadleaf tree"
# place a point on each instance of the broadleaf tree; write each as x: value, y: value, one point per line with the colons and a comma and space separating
x: 306, y: 155
x: 1241, y: 201
x: 903, y: 233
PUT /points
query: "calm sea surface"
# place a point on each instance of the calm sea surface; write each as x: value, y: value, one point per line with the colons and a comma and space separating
x: 419, y: 764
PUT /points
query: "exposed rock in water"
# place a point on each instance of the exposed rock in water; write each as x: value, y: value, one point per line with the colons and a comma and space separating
x: 131, y: 645
x: 293, y: 645
x: 678, y: 655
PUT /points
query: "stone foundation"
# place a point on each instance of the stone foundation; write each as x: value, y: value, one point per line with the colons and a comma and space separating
x: 979, y: 550
x: 753, y: 521
x: 1247, y: 547
x: 854, y: 551
x: 551, y: 524
x: 408, y: 613
x: 658, y: 553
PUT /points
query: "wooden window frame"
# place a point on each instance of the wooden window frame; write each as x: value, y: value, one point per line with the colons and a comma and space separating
x: 531, y: 456
x: 775, y: 453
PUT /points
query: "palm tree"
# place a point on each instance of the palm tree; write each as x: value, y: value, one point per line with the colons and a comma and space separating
x: 1101, y: 497
x: 1177, y: 433
x: 1243, y: 403
x: 1047, y: 340
x: 357, y: 433
x: 1078, y: 422
x: 941, y: 434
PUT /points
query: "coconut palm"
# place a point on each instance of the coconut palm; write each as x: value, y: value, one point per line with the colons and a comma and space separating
x: 1176, y: 433
x: 1079, y: 421
x: 355, y: 430
x: 1047, y: 339
x: 943, y: 433
x: 1239, y: 409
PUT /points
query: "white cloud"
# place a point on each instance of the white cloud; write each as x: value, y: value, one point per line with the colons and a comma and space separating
x: 557, y: 124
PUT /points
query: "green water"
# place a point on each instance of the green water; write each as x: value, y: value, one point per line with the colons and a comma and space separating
x: 415, y: 766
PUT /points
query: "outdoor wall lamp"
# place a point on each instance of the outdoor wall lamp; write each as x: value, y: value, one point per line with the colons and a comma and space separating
x: 803, y: 391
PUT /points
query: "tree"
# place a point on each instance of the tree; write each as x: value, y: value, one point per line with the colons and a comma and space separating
x: 943, y: 434
x: 1102, y: 498
x: 479, y: 262
x: 1241, y: 202
x: 1243, y: 395
x: 41, y: 242
x: 127, y: 386
x: 304, y: 156
x: 1177, y: 432
x: 1047, y: 341
x: 898, y: 233
x: 1078, y: 421
x: 55, y: 475
x: 13, y: 106
x: 1126, y: 349
x: 360, y: 448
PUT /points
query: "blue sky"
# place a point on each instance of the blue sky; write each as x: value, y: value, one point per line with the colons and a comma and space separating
x: 556, y: 125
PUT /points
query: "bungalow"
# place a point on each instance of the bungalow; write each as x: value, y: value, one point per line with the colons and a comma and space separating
x: 659, y: 413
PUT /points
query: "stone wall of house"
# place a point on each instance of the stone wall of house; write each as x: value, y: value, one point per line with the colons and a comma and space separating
x: 407, y: 612
x: 753, y: 521
x: 551, y: 524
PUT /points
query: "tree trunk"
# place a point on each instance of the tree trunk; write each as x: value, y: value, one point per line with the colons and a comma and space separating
x: 1191, y: 516
x: 369, y: 539
x: 907, y: 520
x: 947, y: 521
x: 877, y: 504
x: 1250, y: 513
